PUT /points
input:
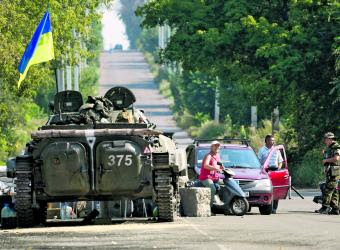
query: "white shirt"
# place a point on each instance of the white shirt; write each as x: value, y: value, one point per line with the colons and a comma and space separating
x: 275, y: 158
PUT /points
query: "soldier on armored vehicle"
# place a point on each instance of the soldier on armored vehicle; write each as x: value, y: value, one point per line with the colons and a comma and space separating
x: 89, y: 152
x: 97, y: 109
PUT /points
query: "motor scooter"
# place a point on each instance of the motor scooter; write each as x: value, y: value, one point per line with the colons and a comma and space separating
x: 233, y: 199
x: 232, y: 195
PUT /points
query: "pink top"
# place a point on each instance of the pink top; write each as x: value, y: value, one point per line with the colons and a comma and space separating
x: 210, y: 174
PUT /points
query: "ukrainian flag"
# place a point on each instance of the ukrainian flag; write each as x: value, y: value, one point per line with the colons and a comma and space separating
x: 40, y: 49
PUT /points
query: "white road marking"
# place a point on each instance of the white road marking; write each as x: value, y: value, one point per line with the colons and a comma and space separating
x: 197, y: 229
x: 221, y: 247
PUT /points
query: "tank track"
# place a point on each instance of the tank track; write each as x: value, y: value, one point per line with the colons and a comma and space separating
x: 167, y: 196
x: 25, y: 212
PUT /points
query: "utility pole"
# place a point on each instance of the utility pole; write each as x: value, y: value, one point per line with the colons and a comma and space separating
x: 76, y: 77
x: 275, y: 120
x: 164, y: 33
x: 160, y: 37
x: 253, y: 110
x: 217, y: 105
x: 68, y: 78
x: 60, y: 79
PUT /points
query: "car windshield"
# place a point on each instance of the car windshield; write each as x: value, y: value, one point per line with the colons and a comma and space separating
x: 233, y: 158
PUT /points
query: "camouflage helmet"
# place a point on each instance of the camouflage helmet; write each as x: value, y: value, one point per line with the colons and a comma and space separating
x: 329, y: 135
x: 125, y: 117
x: 99, y: 105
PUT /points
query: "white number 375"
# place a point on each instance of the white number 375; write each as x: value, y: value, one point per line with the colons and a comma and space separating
x: 120, y: 160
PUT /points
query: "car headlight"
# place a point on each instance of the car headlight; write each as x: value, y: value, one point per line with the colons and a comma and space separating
x: 265, y: 183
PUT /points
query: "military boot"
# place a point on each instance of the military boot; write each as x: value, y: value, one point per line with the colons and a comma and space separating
x: 323, y: 210
x: 334, y: 211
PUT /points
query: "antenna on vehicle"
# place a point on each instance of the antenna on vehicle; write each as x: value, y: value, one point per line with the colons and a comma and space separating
x: 60, y: 116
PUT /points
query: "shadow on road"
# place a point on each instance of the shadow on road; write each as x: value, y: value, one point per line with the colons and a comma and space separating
x: 298, y: 212
x: 115, y: 221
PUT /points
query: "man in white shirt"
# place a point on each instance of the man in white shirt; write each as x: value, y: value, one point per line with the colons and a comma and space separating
x: 275, y: 160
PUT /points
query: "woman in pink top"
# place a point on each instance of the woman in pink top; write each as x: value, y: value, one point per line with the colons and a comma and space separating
x: 210, y: 169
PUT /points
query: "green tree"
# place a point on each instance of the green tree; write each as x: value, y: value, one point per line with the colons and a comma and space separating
x: 148, y: 41
x: 73, y: 23
x: 196, y: 92
x: 266, y: 53
x: 131, y: 21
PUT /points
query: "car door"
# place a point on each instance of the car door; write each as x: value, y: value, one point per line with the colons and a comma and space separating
x: 280, y: 178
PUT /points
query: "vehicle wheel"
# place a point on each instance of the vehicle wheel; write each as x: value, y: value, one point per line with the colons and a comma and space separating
x: 266, y: 209
x: 25, y: 212
x: 166, y: 199
x: 239, y: 206
x: 249, y: 209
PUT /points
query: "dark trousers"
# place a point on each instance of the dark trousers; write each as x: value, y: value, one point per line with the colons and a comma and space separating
x: 275, y: 204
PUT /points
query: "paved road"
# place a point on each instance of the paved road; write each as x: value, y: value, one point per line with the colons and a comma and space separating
x: 129, y: 69
x: 294, y: 227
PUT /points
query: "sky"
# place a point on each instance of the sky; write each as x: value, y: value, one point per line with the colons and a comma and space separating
x: 113, y: 28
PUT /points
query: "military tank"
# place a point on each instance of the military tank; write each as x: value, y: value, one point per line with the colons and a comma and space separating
x: 102, y: 150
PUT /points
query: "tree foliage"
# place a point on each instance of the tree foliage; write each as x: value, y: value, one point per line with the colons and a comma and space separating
x: 148, y: 41
x: 131, y: 21
x: 266, y: 53
x: 73, y: 26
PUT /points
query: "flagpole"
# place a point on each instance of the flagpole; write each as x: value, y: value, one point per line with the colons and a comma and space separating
x: 54, y: 61
x: 56, y: 79
x: 55, y: 74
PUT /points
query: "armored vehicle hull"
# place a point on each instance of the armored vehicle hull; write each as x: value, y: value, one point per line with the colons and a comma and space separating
x: 103, y: 161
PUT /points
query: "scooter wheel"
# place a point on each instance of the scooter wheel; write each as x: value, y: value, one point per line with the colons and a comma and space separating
x: 239, y: 206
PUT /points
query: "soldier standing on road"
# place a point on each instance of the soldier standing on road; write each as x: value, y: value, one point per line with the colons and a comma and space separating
x: 331, y: 162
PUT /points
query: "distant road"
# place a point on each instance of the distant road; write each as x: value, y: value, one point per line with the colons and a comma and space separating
x: 129, y: 69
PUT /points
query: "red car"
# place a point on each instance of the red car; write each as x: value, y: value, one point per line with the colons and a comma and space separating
x: 262, y: 184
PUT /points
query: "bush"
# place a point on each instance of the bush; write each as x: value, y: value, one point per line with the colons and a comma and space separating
x: 283, y: 136
x: 201, y: 118
x: 257, y: 135
x: 185, y: 120
x: 211, y: 130
x: 310, y: 171
x: 164, y: 89
x: 19, y: 117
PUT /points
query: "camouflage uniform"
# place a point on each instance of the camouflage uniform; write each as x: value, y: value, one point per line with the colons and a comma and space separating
x: 331, y: 194
x: 95, y: 110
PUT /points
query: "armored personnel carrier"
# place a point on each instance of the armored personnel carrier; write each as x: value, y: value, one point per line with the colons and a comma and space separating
x: 102, y: 150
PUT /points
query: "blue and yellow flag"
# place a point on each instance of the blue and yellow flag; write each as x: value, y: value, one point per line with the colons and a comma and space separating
x: 40, y: 49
